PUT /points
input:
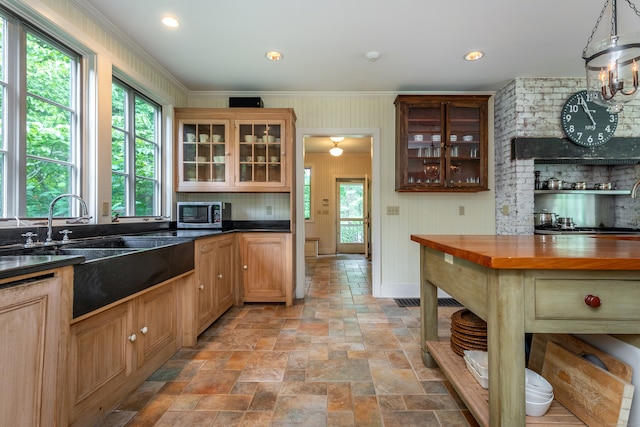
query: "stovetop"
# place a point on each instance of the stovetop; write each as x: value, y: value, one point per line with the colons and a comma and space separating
x: 586, y: 230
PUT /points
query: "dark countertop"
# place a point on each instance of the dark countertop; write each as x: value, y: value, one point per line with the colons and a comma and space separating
x: 18, y: 265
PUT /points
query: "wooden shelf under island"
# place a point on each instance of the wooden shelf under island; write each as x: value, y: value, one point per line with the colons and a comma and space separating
x: 477, y: 398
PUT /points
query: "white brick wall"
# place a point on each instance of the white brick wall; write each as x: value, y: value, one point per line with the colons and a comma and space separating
x: 530, y: 108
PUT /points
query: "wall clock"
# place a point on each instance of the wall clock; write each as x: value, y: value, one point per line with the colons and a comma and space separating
x: 585, y: 122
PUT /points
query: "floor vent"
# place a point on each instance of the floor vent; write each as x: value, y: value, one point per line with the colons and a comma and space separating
x: 415, y: 302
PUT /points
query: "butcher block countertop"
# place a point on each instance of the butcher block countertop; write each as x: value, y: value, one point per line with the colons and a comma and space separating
x: 540, y: 252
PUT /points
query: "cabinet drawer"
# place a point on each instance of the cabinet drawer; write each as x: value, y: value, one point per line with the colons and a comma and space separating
x: 565, y: 299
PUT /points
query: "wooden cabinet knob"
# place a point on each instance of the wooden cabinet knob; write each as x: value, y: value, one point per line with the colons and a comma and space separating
x: 144, y: 330
x: 133, y: 337
x: 201, y: 287
x: 244, y: 267
x: 592, y: 301
x: 219, y: 276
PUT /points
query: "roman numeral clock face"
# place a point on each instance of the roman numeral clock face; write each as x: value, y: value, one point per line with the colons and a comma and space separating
x: 587, y: 123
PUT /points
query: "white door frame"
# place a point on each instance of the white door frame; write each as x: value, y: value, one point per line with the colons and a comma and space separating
x: 376, y: 213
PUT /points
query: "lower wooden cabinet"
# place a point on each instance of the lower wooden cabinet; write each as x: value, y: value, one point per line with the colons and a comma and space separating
x: 34, y: 331
x: 114, y: 351
x: 266, y: 267
x: 214, y: 289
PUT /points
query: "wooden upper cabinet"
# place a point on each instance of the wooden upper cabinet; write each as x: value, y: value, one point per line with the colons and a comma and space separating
x: 234, y: 149
x: 441, y: 143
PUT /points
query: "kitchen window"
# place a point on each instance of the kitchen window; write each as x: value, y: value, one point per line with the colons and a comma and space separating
x: 39, y: 121
x: 135, y: 152
x: 307, y: 193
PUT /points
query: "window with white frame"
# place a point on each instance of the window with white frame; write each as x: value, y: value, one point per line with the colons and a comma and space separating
x: 40, y: 121
x: 135, y: 152
x: 307, y: 193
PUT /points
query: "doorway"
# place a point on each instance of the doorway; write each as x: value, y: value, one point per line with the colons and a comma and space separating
x: 373, y: 229
x: 352, y: 216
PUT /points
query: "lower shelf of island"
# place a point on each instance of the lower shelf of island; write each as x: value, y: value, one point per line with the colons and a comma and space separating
x: 477, y: 398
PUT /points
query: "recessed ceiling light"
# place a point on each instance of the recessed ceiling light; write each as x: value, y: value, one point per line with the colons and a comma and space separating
x: 473, y: 55
x: 170, y: 21
x: 274, y: 56
x: 372, y: 56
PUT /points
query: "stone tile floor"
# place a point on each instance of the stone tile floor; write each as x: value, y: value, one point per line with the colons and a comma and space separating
x: 337, y: 358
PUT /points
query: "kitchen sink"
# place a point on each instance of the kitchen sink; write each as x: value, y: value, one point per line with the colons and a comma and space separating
x: 126, y: 242
x: 117, y: 266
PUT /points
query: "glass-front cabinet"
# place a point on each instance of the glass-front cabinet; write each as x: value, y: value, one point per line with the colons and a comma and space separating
x: 234, y: 149
x: 260, y: 151
x: 441, y: 143
x: 203, y: 153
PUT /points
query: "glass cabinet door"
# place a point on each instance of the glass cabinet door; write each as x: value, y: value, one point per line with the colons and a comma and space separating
x: 260, y: 154
x: 424, y: 153
x: 203, y: 153
x: 464, y: 147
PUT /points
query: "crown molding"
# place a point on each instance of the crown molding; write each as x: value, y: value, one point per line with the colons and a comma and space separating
x: 331, y: 94
x: 102, y: 22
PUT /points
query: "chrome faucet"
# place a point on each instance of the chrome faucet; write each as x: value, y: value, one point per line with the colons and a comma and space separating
x: 634, y: 189
x: 83, y: 212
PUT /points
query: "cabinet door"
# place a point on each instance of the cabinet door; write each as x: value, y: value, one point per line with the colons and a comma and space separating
x: 266, y: 276
x: 466, y: 145
x: 100, y: 361
x: 225, y: 279
x: 260, y: 150
x: 157, y: 328
x: 206, y: 282
x: 204, y: 157
x: 31, y: 320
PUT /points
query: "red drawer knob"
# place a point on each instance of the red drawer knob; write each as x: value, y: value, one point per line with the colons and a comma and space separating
x: 592, y: 301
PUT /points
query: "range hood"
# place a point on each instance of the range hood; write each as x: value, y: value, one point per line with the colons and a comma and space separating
x: 617, y: 151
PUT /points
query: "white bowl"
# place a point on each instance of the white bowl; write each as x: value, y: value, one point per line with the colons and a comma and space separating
x: 535, y: 381
x: 479, y: 360
x: 482, y: 380
x: 537, y: 407
x: 249, y: 138
x: 435, y: 138
x: 467, y: 138
x: 535, y: 394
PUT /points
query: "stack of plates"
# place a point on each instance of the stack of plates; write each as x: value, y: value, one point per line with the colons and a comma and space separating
x: 468, y: 332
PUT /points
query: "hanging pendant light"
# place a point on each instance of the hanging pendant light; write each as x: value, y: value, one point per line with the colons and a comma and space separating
x: 336, y: 151
x: 612, y: 64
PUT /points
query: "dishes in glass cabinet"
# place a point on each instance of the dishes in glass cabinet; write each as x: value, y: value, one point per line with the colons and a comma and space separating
x: 467, y: 138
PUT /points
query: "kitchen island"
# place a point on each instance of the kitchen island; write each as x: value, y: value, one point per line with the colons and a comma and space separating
x: 525, y: 283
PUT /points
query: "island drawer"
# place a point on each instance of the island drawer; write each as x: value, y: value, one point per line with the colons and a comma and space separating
x: 565, y: 299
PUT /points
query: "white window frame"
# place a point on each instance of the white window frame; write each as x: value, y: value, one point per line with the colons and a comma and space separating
x: 13, y: 141
x: 130, y: 136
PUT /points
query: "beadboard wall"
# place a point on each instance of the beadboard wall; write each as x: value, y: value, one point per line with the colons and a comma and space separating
x: 420, y: 213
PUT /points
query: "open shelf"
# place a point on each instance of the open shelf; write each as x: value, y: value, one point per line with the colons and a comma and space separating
x: 477, y: 398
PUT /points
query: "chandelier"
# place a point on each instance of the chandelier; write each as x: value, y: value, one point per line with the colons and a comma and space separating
x: 336, y: 151
x: 611, y: 64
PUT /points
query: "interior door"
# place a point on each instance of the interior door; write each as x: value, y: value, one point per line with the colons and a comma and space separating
x: 351, y: 194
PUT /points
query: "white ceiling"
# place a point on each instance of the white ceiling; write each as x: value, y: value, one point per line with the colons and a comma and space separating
x: 221, y: 45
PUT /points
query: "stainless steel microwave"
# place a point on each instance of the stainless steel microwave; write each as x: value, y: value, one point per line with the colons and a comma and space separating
x: 204, y: 215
